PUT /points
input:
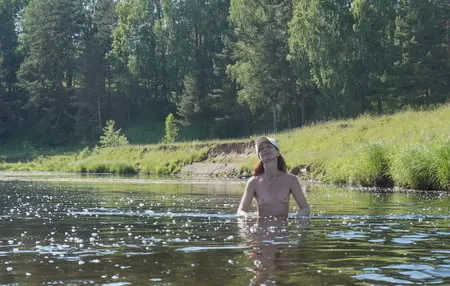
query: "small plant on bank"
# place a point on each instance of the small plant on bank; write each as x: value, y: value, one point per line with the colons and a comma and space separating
x: 86, y: 152
x: 112, y: 137
x: 172, y: 131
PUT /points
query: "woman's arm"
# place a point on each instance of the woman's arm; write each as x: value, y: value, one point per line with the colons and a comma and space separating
x: 247, y: 198
x: 300, y: 197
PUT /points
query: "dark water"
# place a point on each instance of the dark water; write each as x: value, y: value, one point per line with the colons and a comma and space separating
x: 187, y: 234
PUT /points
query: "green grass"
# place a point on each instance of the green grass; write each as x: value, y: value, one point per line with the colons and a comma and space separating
x: 410, y: 149
x: 130, y: 159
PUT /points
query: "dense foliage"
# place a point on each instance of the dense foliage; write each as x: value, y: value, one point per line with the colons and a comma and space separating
x: 224, y: 68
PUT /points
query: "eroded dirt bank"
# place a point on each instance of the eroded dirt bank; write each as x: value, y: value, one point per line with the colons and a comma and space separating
x: 222, y: 160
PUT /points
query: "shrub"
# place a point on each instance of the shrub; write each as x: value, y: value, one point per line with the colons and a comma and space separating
x: 112, y: 137
x: 86, y: 152
x: 172, y: 130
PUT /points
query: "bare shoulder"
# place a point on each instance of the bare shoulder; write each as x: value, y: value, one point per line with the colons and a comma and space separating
x: 291, y: 177
x: 252, y: 180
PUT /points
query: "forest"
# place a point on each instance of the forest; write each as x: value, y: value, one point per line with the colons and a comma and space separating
x: 221, y: 68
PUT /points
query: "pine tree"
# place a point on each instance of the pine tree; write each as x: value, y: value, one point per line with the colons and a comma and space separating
x: 51, y: 39
x: 9, y: 64
x: 112, y: 137
x: 264, y: 76
x: 422, y: 69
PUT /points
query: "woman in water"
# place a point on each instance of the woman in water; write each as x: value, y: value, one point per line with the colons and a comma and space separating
x: 271, y: 185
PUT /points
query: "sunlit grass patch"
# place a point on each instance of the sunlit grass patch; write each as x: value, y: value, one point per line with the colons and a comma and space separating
x: 95, y: 166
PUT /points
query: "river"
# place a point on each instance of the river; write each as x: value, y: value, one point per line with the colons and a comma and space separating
x: 185, y: 232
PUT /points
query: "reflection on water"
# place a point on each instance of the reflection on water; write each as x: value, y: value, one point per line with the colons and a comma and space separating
x: 188, y: 234
x: 270, y: 241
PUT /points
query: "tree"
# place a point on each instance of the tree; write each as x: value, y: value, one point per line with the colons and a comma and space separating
x: 51, y: 39
x: 9, y: 64
x: 201, y: 29
x: 298, y: 57
x: 172, y: 131
x: 94, y: 67
x: 422, y: 69
x: 112, y: 137
x: 374, y: 30
x: 323, y: 30
x: 264, y: 76
x: 143, y: 51
x: 193, y: 104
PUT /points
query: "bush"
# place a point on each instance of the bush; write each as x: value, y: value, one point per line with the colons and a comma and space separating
x: 112, y: 137
x: 172, y: 131
x: 86, y: 152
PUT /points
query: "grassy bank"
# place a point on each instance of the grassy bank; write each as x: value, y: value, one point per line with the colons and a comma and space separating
x: 410, y: 149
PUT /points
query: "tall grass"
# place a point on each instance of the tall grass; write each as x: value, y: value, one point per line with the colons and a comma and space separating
x: 442, y: 164
x: 423, y: 167
x: 364, y: 166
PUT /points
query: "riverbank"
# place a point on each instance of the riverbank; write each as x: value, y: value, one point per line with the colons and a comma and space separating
x: 410, y: 150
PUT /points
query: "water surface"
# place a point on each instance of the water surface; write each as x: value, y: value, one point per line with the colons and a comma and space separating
x: 180, y: 233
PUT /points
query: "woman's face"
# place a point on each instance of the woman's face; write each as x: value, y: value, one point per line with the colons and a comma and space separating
x: 267, y: 151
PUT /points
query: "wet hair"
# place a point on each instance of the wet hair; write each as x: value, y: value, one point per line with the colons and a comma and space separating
x: 259, y: 167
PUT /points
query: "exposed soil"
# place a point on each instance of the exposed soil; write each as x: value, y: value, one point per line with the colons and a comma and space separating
x: 225, y: 160
x: 237, y: 148
x: 222, y: 160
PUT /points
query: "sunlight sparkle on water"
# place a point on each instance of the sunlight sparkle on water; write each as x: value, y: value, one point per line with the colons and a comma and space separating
x: 135, y: 236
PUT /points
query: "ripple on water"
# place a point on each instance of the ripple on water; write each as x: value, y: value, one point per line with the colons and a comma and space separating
x: 442, y: 272
x: 189, y: 249
x: 445, y: 251
x: 147, y: 213
x: 382, y: 278
x: 416, y: 275
x: 421, y: 272
x: 413, y: 238
x: 347, y: 235
x: 409, y: 266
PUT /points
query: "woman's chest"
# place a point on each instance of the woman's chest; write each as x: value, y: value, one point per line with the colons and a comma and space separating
x: 266, y: 193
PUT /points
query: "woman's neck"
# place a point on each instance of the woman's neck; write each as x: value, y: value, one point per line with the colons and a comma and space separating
x: 271, y: 169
